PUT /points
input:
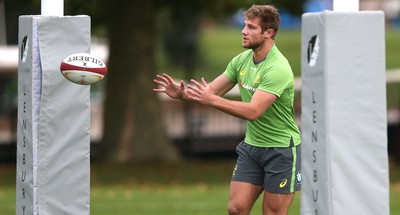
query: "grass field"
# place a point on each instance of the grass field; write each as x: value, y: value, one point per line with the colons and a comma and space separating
x: 196, y: 187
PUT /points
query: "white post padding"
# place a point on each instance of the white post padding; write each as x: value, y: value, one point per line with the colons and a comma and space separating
x: 346, y: 5
x: 344, y: 126
x: 52, y: 7
x: 53, y: 145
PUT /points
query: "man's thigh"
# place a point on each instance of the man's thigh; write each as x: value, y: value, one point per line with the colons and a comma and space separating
x: 277, y: 203
x: 243, y: 195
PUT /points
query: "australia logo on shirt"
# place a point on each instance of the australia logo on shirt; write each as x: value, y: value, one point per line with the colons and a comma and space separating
x: 247, y: 87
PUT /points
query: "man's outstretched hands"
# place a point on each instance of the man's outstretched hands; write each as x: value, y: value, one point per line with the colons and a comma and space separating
x: 200, y: 92
x: 196, y: 91
x: 170, y: 87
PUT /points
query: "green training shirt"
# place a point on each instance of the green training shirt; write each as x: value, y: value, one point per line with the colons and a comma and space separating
x: 277, y: 125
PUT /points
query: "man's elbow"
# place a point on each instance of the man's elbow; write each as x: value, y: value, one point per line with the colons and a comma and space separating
x: 253, y: 116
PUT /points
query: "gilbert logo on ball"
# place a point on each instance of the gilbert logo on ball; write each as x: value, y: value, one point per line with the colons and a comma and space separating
x: 83, y: 68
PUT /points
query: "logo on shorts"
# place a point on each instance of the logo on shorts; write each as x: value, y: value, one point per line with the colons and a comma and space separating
x: 283, y: 183
x: 298, y: 177
x: 234, y: 170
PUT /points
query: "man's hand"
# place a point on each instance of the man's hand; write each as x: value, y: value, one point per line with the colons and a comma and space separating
x: 170, y: 87
x: 200, y: 92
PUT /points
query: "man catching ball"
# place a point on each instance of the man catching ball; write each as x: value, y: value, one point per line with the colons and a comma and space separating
x: 269, y: 156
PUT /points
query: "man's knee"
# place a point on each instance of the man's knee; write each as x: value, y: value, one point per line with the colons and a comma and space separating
x: 275, y: 209
x: 235, y: 208
x: 277, y: 203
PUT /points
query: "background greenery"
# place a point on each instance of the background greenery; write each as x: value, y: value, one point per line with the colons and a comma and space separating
x: 218, y: 45
x: 196, y: 186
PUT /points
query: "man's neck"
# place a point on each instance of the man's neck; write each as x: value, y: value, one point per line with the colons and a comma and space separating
x: 261, y: 52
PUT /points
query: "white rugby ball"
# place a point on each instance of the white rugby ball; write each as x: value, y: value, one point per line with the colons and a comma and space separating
x: 83, y: 68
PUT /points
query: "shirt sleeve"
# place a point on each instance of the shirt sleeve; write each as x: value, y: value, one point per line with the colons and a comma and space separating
x: 275, y: 80
x: 231, y: 70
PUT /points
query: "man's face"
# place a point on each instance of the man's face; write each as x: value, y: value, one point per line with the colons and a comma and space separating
x: 252, y: 36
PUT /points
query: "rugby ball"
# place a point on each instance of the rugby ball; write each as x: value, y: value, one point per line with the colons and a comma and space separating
x: 83, y: 68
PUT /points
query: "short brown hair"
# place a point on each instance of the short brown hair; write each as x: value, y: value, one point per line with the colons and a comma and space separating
x: 268, y: 14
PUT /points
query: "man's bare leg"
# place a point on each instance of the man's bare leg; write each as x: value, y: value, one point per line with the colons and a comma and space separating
x: 277, y: 204
x: 242, y: 196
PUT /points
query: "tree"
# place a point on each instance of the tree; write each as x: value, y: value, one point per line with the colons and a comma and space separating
x: 133, y: 128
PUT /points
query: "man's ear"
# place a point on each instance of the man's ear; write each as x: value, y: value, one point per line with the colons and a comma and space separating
x: 269, y: 33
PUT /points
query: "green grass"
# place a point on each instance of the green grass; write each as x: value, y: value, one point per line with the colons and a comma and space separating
x: 200, y: 199
x: 192, y: 187
x: 198, y: 188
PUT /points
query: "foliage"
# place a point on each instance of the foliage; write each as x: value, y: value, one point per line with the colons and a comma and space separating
x: 220, y: 43
x: 220, y: 8
x: 99, y: 10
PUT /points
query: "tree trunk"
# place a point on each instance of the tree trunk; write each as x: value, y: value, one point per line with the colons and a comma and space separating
x: 133, y: 128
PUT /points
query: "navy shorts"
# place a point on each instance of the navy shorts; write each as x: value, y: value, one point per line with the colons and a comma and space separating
x: 277, y: 169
